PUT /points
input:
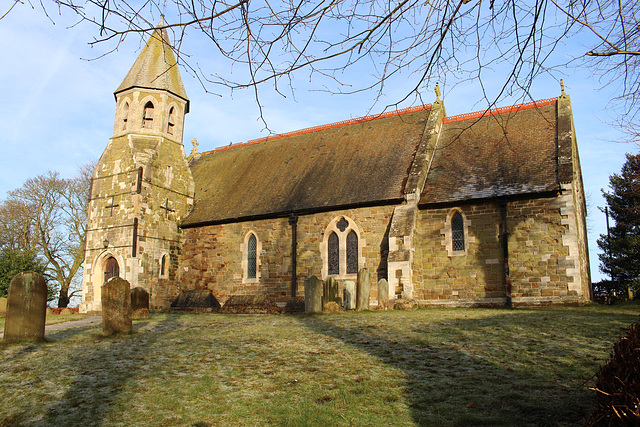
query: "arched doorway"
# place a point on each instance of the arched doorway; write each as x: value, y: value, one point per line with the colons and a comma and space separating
x: 111, y: 269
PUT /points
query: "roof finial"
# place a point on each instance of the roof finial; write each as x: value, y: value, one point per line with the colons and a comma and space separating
x: 437, y: 89
x: 195, y: 143
x: 562, y: 87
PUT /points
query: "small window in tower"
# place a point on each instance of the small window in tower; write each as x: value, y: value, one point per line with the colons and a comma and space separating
x: 147, y: 119
x: 457, y: 232
x: 125, y: 115
x: 171, y: 122
x: 163, y: 266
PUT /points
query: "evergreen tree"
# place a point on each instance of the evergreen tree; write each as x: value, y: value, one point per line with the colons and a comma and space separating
x: 14, y: 261
x: 621, y: 249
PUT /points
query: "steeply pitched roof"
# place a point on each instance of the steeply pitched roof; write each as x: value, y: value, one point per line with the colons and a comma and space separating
x: 358, y: 162
x: 156, y: 67
x: 504, y: 152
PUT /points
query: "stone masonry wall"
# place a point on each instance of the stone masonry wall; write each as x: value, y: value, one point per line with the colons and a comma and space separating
x: 212, y: 255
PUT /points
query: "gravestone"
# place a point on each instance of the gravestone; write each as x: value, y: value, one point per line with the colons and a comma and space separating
x: 349, y: 295
x: 362, y: 290
x: 3, y: 306
x: 330, y: 291
x: 139, y: 303
x: 116, y: 306
x: 312, y: 295
x: 383, y: 294
x: 65, y: 311
x: 295, y: 305
x: 26, y: 308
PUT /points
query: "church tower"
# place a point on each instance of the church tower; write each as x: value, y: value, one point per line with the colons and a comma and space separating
x: 142, y: 186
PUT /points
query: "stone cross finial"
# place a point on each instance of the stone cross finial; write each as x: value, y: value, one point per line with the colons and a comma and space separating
x: 195, y: 143
x: 437, y: 90
x: 562, y: 86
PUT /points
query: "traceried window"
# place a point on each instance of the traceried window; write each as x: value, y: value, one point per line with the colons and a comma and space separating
x: 457, y: 232
x: 171, y: 123
x: 252, y: 256
x: 333, y: 251
x: 352, y: 253
x: 147, y: 117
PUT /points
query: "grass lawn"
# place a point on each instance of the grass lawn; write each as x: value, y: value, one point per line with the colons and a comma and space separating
x: 53, y: 319
x: 427, y: 367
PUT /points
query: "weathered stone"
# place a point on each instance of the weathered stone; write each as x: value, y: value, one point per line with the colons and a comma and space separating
x: 139, y: 303
x: 349, y: 295
x: 26, y: 308
x: 3, y: 306
x: 363, y: 289
x: 295, y: 305
x: 116, y: 306
x: 250, y: 304
x: 405, y: 305
x: 65, y: 311
x: 312, y: 295
x: 330, y: 291
x: 383, y: 294
x: 195, y: 299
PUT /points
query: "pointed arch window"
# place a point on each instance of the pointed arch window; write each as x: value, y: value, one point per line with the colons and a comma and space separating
x: 163, y: 266
x: 252, y: 257
x: 125, y: 115
x: 352, y: 253
x: 147, y: 118
x: 457, y: 232
x: 171, y: 122
x: 333, y: 251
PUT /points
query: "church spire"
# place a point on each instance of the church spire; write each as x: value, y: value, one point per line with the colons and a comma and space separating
x: 156, y: 67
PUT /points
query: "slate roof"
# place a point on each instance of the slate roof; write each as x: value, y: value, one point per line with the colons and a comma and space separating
x: 506, y: 152
x: 358, y: 162
x: 156, y: 67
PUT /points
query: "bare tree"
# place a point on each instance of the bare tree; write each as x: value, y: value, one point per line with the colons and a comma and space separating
x: 420, y: 42
x: 48, y: 214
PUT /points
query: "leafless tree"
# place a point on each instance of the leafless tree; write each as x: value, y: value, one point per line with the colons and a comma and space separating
x: 48, y: 214
x: 419, y: 42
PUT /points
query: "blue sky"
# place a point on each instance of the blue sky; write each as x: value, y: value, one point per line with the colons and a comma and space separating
x: 58, y: 107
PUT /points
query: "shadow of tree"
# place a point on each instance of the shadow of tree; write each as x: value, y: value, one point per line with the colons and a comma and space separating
x: 536, y: 378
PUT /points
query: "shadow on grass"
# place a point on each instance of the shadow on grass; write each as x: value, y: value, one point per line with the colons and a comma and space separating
x: 102, y: 373
x: 508, y: 368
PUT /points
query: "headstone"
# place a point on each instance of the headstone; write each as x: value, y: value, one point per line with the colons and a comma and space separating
x: 295, y: 305
x: 362, y: 290
x: 330, y: 291
x: 383, y: 294
x: 139, y: 303
x: 349, y: 295
x: 26, y: 308
x: 3, y: 306
x: 65, y: 311
x: 312, y: 295
x: 116, y: 306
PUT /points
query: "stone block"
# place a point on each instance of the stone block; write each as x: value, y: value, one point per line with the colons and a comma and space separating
x: 349, y: 295
x: 362, y: 290
x: 383, y: 294
x: 116, y: 306
x: 312, y: 295
x: 139, y: 303
x: 26, y: 308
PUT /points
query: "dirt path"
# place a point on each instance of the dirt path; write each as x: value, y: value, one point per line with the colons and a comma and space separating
x: 72, y: 324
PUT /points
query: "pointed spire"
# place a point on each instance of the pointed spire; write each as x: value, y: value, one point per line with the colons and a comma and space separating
x: 156, y: 67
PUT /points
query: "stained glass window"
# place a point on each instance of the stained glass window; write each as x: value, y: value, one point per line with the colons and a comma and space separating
x: 251, y: 257
x: 352, y: 253
x: 457, y: 232
x: 333, y: 250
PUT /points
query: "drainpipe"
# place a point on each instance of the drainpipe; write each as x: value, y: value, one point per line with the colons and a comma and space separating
x: 293, y: 222
x: 505, y: 252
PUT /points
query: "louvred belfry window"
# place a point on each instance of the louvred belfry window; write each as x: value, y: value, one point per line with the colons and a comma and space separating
x: 457, y: 232
x: 147, y: 119
x: 171, y: 122
x: 333, y: 249
x: 251, y: 257
x: 352, y: 253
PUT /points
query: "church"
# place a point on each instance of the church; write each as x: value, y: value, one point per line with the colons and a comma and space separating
x: 478, y: 209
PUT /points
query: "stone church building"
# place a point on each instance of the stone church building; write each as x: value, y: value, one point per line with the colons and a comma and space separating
x: 483, y: 208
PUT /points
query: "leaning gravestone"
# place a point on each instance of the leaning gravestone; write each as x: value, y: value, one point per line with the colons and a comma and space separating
x: 362, y: 290
x: 383, y: 294
x: 349, y: 295
x: 26, y: 308
x: 3, y: 306
x: 312, y: 295
x: 330, y: 291
x: 116, y: 306
x: 139, y: 303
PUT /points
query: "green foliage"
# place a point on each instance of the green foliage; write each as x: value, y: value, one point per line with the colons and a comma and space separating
x: 621, y: 249
x: 14, y: 261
